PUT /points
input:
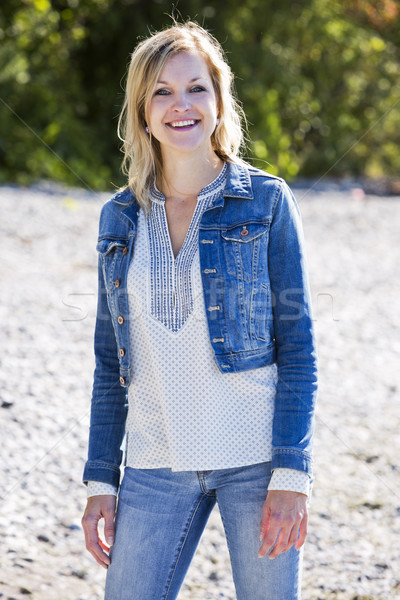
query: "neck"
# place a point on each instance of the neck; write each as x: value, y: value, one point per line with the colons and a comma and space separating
x: 187, y: 176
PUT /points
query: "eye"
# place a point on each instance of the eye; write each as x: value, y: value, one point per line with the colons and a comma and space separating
x: 162, y: 92
x: 197, y: 88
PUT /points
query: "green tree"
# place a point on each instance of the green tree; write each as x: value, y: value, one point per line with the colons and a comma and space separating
x: 319, y: 82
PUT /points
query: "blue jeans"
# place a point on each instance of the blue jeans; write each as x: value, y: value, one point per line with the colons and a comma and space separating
x: 160, y: 517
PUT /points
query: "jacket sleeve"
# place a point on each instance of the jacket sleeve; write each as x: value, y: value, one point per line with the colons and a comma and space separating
x: 293, y: 425
x: 109, y: 402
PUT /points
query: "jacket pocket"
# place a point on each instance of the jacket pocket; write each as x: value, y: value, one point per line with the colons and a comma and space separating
x: 245, y: 249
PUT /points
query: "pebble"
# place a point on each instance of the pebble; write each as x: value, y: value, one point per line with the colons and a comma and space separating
x: 47, y: 311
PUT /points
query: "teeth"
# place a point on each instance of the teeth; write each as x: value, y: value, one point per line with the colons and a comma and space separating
x: 182, y: 123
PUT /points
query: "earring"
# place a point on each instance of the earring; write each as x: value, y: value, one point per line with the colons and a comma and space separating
x: 147, y: 129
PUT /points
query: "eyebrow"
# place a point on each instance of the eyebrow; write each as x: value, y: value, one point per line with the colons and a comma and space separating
x: 191, y: 81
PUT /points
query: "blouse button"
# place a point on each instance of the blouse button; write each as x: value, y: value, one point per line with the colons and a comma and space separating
x: 120, y: 319
x: 244, y: 231
x: 122, y: 380
x: 122, y: 352
x: 125, y: 250
x: 117, y: 282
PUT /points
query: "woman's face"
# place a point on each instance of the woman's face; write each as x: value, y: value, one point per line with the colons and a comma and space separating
x: 183, y: 109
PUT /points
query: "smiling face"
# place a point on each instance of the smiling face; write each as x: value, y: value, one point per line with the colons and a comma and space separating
x: 183, y: 109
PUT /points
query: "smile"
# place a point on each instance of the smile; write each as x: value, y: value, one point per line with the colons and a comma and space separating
x: 183, y: 125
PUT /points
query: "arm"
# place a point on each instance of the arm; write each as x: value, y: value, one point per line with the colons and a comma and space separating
x: 285, y: 514
x: 109, y: 404
x: 293, y: 425
x: 107, y: 427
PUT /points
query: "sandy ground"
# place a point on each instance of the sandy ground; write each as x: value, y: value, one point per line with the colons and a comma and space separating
x: 47, y: 310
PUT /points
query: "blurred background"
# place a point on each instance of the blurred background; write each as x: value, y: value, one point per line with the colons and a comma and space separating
x: 313, y: 78
x: 319, y: 83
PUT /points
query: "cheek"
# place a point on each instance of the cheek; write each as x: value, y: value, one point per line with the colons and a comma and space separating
x: 212, y: 111
x: 206, y: 105
x: 155, y: 110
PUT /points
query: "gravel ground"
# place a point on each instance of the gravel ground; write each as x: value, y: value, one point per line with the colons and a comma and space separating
x: 48, y: 274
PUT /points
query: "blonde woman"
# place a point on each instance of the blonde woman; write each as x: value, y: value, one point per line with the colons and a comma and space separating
x: 204, y: 342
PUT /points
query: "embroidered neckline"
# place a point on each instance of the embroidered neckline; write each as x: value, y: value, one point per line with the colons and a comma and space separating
x: 209, y: 190
x: 170, y: 289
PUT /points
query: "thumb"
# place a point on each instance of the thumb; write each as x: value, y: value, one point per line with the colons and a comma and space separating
x: 109, y: 533
x: 109, y: 527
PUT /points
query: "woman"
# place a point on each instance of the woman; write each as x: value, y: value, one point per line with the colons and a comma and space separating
x: 204, y: 343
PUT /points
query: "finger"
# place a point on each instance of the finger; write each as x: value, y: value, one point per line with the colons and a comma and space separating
x: 96, y: 551
x: 265, y: 521
x: 285, y: 543
x: 98, y: 554
x: 303, y: 532
x: 294, y: 535
x: 281, y: 544
x: 89, y: 525
x: 270, y: 538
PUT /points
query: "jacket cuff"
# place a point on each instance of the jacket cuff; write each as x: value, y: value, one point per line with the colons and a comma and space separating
x: 101, y: 471
x: 290, y: 458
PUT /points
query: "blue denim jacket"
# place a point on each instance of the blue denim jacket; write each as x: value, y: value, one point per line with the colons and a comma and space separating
x: 257, y: 301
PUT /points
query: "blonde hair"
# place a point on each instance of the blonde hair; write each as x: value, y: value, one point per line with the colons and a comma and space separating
x: 142, y: 160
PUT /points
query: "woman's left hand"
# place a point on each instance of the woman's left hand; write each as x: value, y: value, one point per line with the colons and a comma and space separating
x: 284, y: 513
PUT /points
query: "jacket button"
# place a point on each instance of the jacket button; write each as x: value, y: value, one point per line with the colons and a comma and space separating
x: 117, y: 282
x: 125, y: 250
x: 244, y: 231
x: 120, y: 319
x: 122, y: 352
x: 122, y: 380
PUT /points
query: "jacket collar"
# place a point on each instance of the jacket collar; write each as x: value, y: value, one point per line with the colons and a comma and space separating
x: 238, y: 185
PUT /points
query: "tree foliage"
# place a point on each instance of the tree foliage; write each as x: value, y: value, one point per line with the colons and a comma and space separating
x: 319, y: 82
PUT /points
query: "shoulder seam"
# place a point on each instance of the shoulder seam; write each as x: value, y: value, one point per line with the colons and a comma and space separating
x: 261, y: 173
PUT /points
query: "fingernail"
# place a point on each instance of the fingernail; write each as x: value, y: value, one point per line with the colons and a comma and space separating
x: 261, y: 537
x: 110, y: 541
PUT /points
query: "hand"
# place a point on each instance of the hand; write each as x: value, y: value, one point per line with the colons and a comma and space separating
x: 99, y: 507
x: 284, y: 512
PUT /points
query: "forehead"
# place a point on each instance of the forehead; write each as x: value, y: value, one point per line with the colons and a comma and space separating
x: 184, y: 65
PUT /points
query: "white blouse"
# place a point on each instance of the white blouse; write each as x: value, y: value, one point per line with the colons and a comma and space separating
x: 185, y: 414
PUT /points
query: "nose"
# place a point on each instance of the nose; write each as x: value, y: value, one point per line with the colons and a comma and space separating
x: 182, y: 102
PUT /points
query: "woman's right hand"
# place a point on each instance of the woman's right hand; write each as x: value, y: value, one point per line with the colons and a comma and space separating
x: 99, y: 507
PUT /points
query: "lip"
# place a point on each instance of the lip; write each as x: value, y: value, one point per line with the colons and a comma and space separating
x: 185, y: 128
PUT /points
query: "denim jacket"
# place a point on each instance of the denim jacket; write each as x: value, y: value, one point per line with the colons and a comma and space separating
x: 257, y: 302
